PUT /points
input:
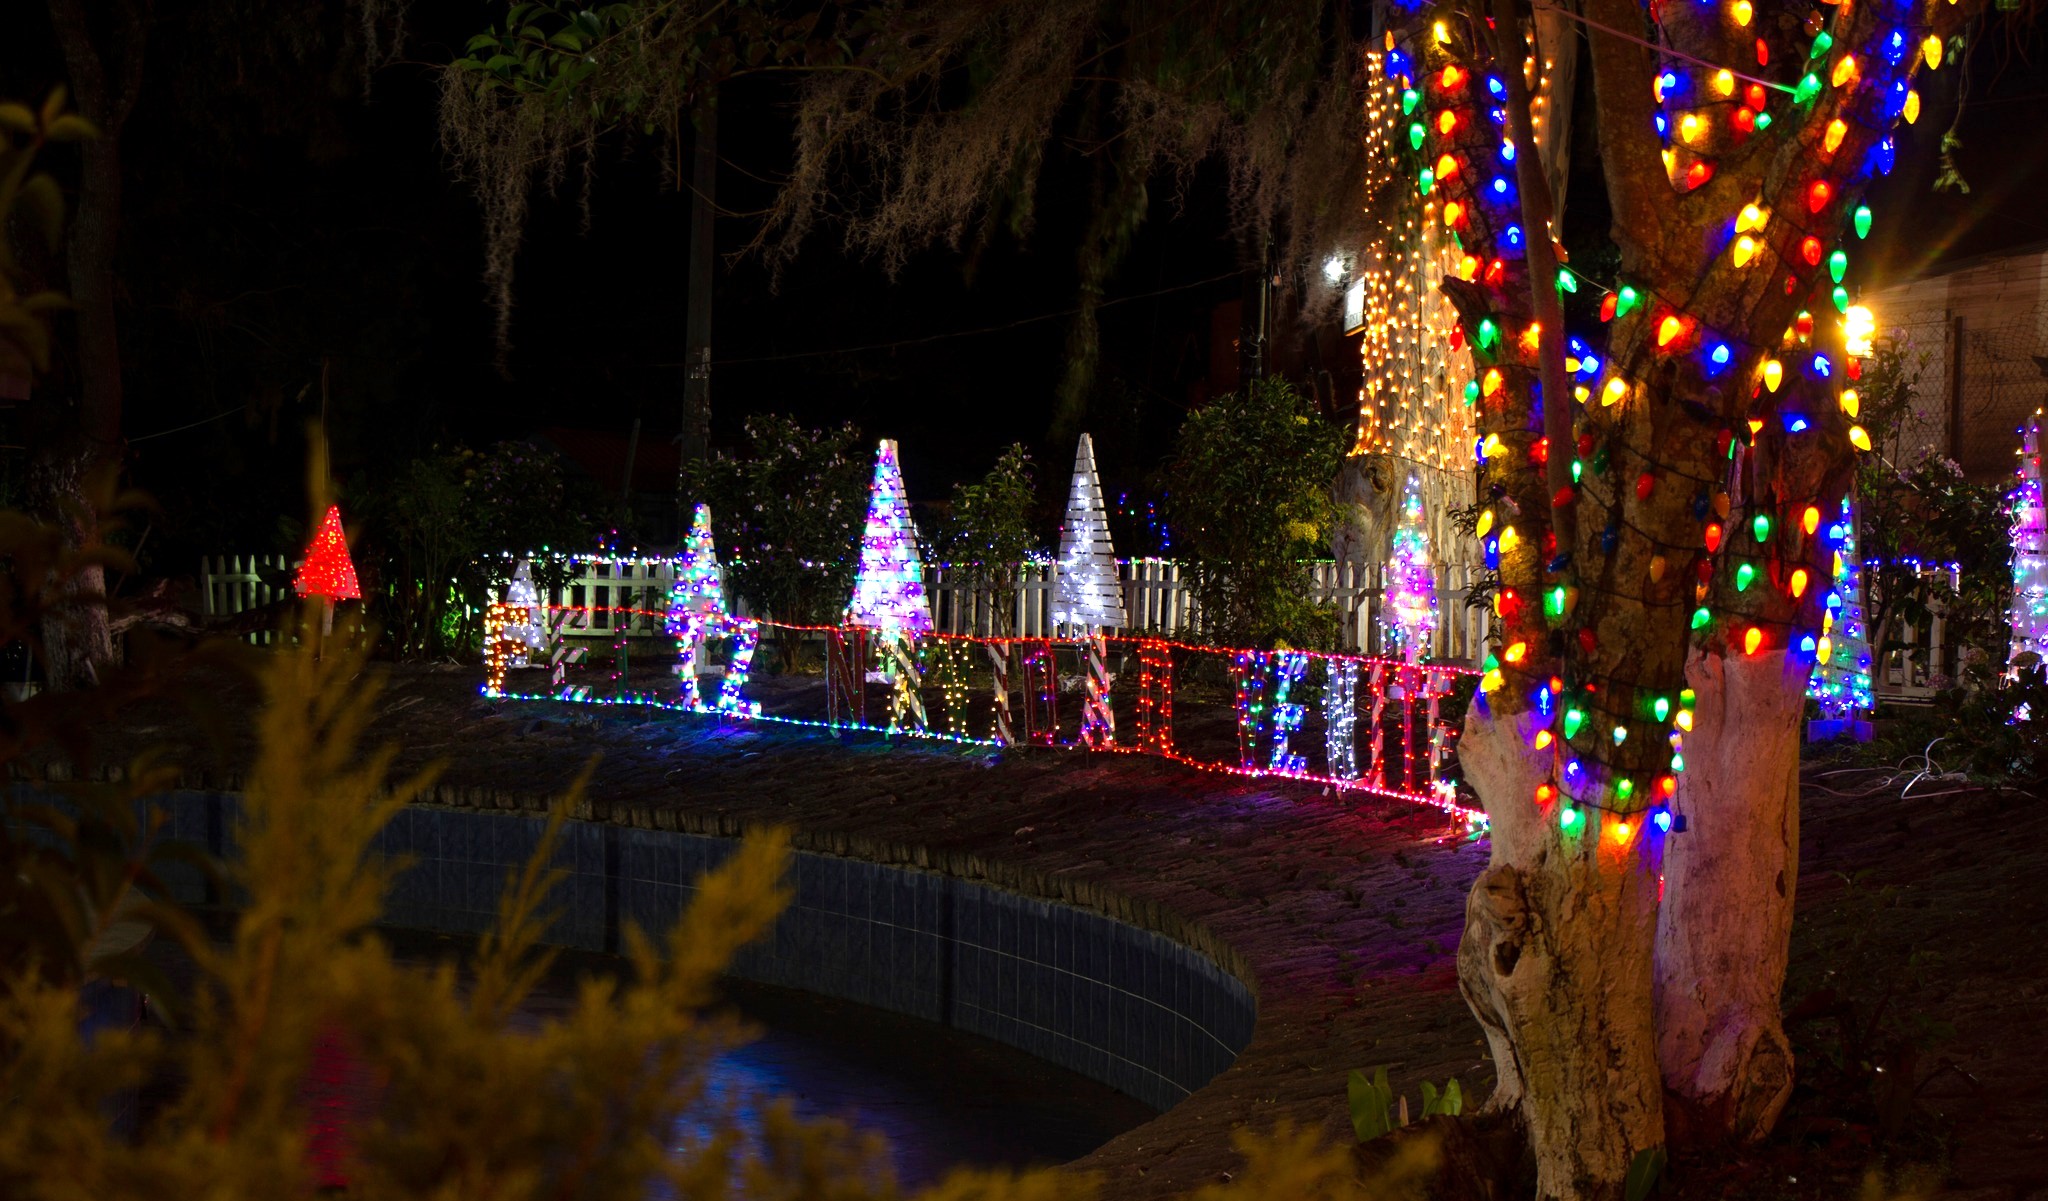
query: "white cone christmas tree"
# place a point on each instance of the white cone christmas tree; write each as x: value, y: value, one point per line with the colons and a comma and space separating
x: 888, y: 594
x: 2029, y: 554
x: 1087, y: 594
x: 1410, y: 617
x: 699, y: 589
x: 1841, y: 661
x: 525, y: 626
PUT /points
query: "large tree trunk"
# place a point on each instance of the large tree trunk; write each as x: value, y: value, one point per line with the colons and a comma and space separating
x: 76, y: 636
x: 1724, y: 929
x: 1555, y: 961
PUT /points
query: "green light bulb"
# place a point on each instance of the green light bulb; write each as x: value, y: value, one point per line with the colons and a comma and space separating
x: 1565, y: 282
x: 1409, y: 99
x: 1567, y: 817
x: 1744, y: 575
x: 1701, y: 619
x: 1624, y: 301
x: 1822, y: 42
x: 1416, y: 132
x: 1573, y: 719
x: 1761, y: 526
x: 1489, y: 333
x: 1763, y: 122
x: 1661, y: 707
x: 1841, y: 299
x: 1862, y: 221
x: 1808, y: 88
x: 1426, y: 182
x: 1838, y: 265
x: 1620, y: 735
x: 1624, y: 789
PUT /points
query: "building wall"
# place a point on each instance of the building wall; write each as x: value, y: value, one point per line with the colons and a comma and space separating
x: 1973, y: 332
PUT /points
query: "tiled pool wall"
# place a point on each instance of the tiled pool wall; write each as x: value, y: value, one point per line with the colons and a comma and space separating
x: 1132, y: 1008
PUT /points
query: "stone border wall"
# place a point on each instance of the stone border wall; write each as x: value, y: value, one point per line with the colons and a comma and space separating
x: 1056, y: 967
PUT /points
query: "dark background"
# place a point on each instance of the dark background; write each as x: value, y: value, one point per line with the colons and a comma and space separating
x: 294, y: 245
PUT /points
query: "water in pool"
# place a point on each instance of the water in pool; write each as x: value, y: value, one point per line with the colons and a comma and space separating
x: 942, y: 1098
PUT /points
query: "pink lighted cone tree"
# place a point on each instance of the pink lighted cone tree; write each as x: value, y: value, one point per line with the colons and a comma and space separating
x: 1636, y: 744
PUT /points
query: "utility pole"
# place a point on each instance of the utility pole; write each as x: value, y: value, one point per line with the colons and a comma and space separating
x: 696, y: 433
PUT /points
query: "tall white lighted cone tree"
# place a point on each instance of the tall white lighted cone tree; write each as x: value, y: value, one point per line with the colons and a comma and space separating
x: 1636, y: 742
x: 1087, y: 597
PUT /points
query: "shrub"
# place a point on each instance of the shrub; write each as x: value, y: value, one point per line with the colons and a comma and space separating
x: 1248, y: 496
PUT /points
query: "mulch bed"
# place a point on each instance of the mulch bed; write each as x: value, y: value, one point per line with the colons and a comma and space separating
x: 1919, y: 929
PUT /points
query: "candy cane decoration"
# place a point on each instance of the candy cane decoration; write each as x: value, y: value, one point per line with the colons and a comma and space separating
x: 1098, y: 723
x: 746, y: 636
x: 904, y: 700
x: 999, y: 658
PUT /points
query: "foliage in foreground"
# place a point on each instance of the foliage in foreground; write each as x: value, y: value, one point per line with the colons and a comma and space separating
x: 1250, y: 506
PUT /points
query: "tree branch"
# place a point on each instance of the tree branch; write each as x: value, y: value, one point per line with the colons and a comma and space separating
x: 1625, y: 108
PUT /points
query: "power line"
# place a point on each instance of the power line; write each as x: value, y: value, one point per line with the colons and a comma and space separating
x: 963, y: 333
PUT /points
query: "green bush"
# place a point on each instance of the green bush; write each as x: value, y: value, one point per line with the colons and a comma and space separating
x: 1248, y: 498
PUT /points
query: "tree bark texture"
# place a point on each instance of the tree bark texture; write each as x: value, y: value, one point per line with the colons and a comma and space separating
x: 103, y: 54
x: 1724, y: 928
x: 1650, y: 660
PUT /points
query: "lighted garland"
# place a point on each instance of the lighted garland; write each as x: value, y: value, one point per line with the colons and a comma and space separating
x: 2029, y: 612
x: 1462, y: 152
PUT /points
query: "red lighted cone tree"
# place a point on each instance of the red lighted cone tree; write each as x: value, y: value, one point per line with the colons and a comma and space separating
x: 328, y: 571
x: 1652, y: 512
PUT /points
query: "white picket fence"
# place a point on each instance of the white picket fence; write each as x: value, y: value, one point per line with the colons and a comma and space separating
x: 1156, y: 599
x: 231, y: 584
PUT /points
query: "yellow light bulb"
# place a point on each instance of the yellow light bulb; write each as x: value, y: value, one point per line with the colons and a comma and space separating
x: 1689, y: 126
x: 1509, y: 539
x: 1832, y: 140
x: 1745, y: 250
x: 1774, y: 374
x: 1751, y: 218
x: 1485, y: 523
x: 1931, y: 51
x: 1858, y: 438
x: 1612, y: 393
x: 1912, y: 111
x: 1724, y: 82
x: 1845, y: 70
x: 1825, y: 650
x: 1743, y: 13
x: 1852, y: 404
x: 1798, y: 583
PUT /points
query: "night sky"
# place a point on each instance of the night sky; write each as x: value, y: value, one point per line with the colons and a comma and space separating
x: 288, y: 238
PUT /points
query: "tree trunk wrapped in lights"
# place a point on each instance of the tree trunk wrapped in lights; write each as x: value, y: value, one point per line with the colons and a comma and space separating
x: 2029, y: 555
x: 1647, y: 524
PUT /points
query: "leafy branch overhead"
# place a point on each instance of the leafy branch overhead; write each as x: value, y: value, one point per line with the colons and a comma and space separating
x: 30, y: 200
x: 923, y: 122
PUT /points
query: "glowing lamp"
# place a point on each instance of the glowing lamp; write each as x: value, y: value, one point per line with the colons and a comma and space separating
x: 1684, y: 720
x: 1810, y: 250
x: 1713, y: 536
x: 1858, y: 438
x: 1760, y: 525
x: 1859, y: 330
x: 1454, y: 214
x: 1774, y: 374
x: 1724, y: 82
x: 1838, y: 265
x: 1831, y: 141
x: 1930, y: 51
x: 1797, y: 586
x: 1809, y: 86
x: 1818, y: 195
x: 1447, y: 122
x: 1620, y: 735
x: 1744, y: 120
x: 1621, y: 829
x: 1743, y: 12
x: 1416, y: 134
x: 1862, y: 221
x: 1698, y: 174
x: 1810, y: 520
x: 1689, y: 126
x: 1912, y: 109
x: 1613, y: 392
x: 1750, y: 219
x: 1701, y: 619
x: 1752, y: 641
x: 1744, y: 576
x: 1452, y: 78
x: 1668, y: 331
x: 1545, y: 794
x: 1468, y: 268
x: 1852, y: 404
x: 1845, y: 71
x: 1514, y: 653
x: 1486, y: 523
x: 1662, y: 819
x: 1491, y: 383
x: 1567, y: 817
x: 1574, y: 717
x: 1745, y: 250
x: 1625, y: 299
